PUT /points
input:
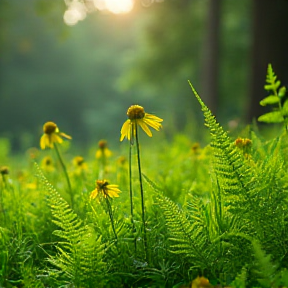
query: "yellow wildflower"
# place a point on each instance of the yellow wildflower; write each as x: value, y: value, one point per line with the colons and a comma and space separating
x: 51, y: 135
x: 80, y: 163
x: 4, y: 170
x: 243, y: 143
x: 103, y: 151
x: 137, y: 116
x: 201, y: 282
x: 121, y: 161
x: 47, y: 164
x: 106, y: 189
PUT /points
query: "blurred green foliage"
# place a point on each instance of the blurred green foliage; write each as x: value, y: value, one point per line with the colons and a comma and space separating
x: 85, y: 77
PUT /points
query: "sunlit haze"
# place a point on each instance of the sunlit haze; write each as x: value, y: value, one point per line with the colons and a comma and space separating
x: 115, y: 6
x: 77, y: 10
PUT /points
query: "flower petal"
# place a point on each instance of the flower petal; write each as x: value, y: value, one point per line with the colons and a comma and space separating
x: 94, y: 194
x: 152, y: 124
x: 43, y: 141
x: 125, y: 130
x: 65, y: 135
x: 144, y: 127
x: 55, y: 138
x: 153, y: 117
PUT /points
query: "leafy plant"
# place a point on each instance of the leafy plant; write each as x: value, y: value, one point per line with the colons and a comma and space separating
x: 80, y: 254
x: 277, y: 98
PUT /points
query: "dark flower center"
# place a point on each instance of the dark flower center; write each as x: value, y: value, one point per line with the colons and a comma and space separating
x: 135, y: 112
x: 50, y: 128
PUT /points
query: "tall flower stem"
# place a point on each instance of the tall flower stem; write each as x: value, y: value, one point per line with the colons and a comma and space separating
x: 131, y: 191
x: 2, y: 210
x: 102, y: 166
x: 66, y: 173
x: 130, y: 183
x: 111, y: 216
x: 141, y: 190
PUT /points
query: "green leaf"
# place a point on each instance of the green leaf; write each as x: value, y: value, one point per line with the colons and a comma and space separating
x: 277, y: 84
x: 271, y: 117
x: 268, y: 87
x: 282, y: 92
x: 270, y: 100
x: 285, y: 108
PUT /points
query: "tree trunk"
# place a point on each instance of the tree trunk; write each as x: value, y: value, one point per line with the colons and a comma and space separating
x: 270, y: 42
x: 209, y: 87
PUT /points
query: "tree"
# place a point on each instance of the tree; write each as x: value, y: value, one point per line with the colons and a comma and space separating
x: 210, y: 79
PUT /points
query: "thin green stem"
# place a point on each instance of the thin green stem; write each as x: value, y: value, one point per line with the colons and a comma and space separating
x: 131, y: 191
x: 111, y: 216
x: 102, y: 166
x: 130, y: 183
x: 141, y: 189
x: 66, y: 174
x: 2, y: 210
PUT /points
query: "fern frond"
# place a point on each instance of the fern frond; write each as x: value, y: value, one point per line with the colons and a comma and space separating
x: 271, y: 80
x: 257, y: 200
x: 187, y: 238
x: 264, y: 269
x: 229, y: 165
x: 80, y: 256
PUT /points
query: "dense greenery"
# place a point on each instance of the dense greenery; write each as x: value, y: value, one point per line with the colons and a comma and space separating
x: 216, y: 212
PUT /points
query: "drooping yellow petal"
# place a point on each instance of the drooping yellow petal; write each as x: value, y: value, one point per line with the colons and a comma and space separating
x: 55, y: 138
x: 98, y: 154
x: 126, y: 130
x: 153, y: 117
x: 144, y: 127
x: 107, y: 152
x: 43, y: 141
x: 65, y: 135
x: 152, y: 123
x: 113, y: 190
x: 94, y: 194
x: 112, y: 193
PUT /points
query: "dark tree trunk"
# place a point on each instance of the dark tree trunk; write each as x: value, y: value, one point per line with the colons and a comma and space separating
x: 209, y: 87
x: 270, y: 43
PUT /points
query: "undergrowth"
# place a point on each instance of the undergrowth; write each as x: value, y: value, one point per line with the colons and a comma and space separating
x: 216, y: 212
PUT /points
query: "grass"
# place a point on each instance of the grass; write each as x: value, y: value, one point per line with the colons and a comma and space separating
x: 216, y: 211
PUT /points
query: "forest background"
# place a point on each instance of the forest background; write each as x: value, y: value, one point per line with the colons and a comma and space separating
x: 85, y: 76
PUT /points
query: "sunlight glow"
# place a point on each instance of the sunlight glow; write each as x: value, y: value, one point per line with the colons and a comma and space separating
x: 76, y: 12
x: 115, y: 6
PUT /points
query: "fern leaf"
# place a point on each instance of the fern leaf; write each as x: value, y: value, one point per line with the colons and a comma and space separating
x: 229, y: 165
x: 80, y: 256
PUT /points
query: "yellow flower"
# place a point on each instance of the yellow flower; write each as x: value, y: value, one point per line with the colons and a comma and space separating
x: 201, y: 282
x: 121, y: 161
x: 106, y: 189
x: 137, y: 116
x: 4, y: 170
x: 47, y: 164
x: 51, y: 135
x: 103, y: 151
x: 80, y: 163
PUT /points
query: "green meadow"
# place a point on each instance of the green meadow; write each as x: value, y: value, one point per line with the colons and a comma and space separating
x: 157, y: 212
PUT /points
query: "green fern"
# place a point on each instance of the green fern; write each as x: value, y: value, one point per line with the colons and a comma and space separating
x: 233, y: 173
x: 280, y: 112
x: 80, y: 255
x: 187, y: 237
x: 258, y: 203
x: 264, y: 270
